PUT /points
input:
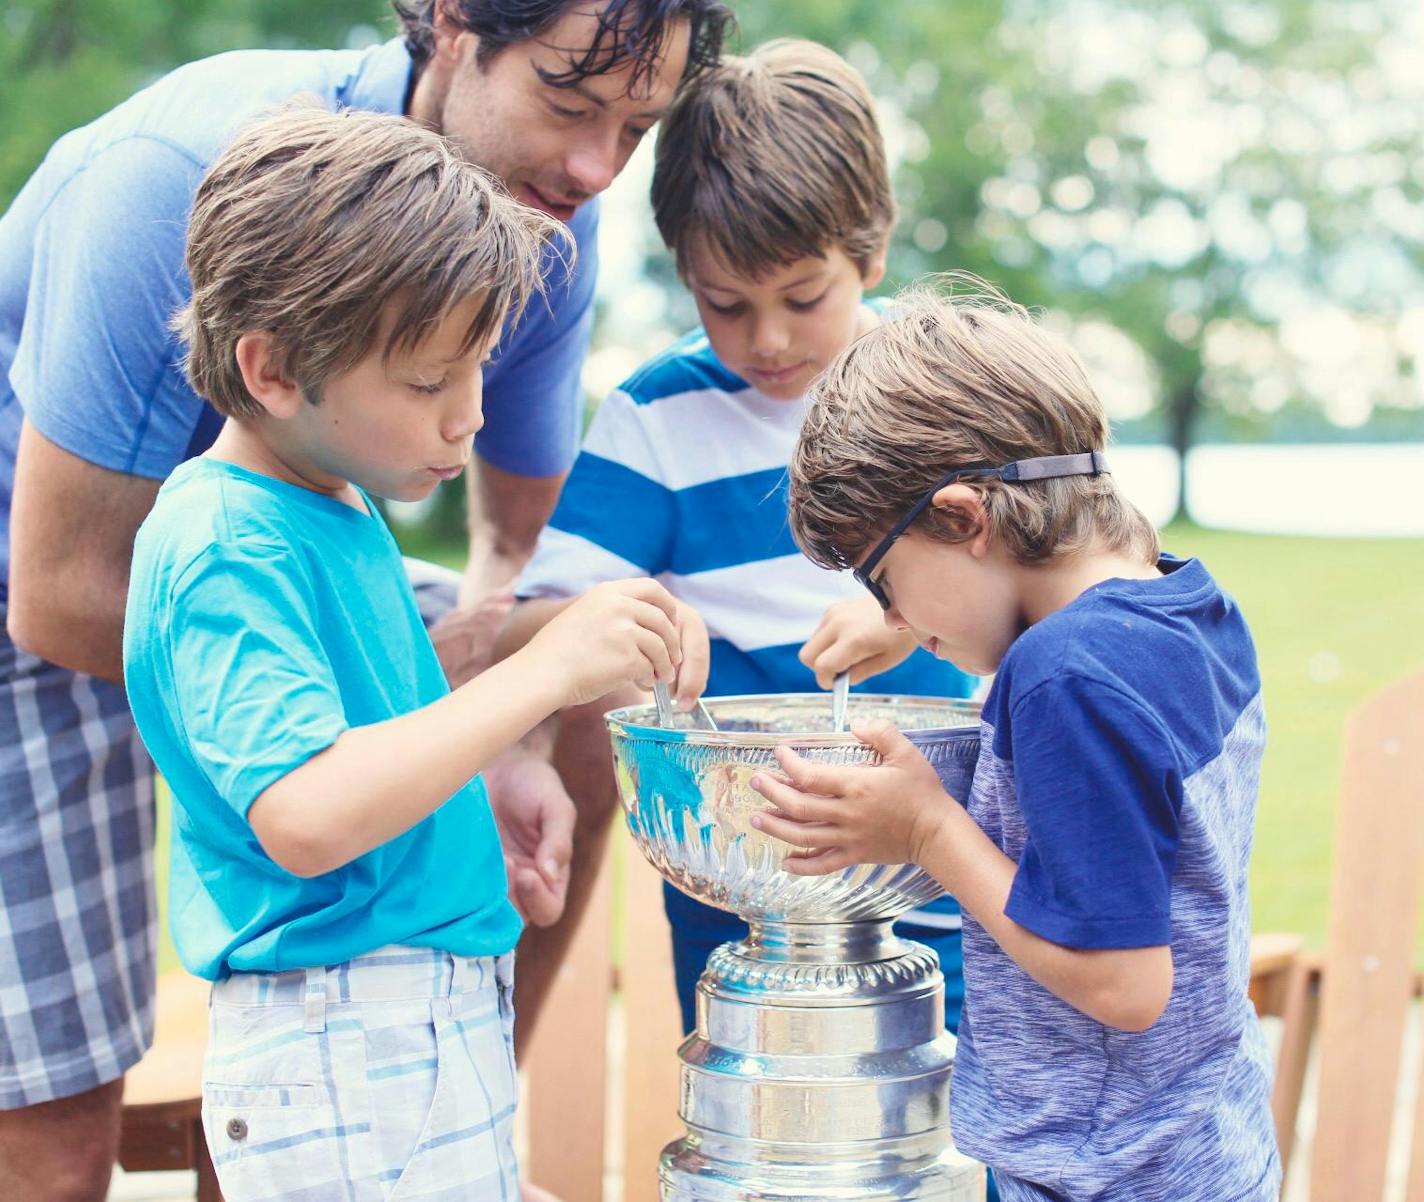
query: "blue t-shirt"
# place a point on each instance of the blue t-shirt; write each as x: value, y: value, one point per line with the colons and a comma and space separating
x: 263, y: 621
x: 91, y: 270
x: 1119, y: 763
x: 682, y: 476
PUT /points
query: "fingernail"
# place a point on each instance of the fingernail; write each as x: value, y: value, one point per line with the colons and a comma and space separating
x: 756, y: 783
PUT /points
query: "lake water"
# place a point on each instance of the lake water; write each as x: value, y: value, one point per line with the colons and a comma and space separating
x: 1364, y: 489
x: 1369, y: 490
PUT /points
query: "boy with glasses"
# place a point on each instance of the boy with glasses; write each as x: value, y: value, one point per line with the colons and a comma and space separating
x: 954, y: 458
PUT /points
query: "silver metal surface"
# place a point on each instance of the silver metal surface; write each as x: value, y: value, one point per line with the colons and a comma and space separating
x: 662, y: 699
x: 688, y: 801
x: 672, y: 718
x: 840, y: 701
x: 819, y: 1067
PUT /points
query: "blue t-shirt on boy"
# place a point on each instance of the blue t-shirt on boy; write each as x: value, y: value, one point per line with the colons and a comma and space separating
x: 1120, y: 757
x: 264, y: 620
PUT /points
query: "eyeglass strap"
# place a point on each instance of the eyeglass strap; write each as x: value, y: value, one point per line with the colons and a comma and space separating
x: 1049, y: 467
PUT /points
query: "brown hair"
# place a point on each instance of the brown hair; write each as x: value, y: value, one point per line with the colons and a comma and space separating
x: 955, y: 382
x: 627, y: 32
x: 320, y: 226
x: 773, y: 158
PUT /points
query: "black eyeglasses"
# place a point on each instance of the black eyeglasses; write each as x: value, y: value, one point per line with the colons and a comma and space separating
x: 1044, y: 467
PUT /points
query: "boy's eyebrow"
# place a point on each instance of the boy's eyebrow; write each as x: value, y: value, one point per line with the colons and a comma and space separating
x: 805, y: 279
x: 710, y: 286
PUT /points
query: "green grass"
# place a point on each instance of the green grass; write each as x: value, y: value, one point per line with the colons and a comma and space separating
x: 1334, y: 620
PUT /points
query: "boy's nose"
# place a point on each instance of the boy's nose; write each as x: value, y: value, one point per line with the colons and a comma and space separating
x: 769, y: 338
x: 465, y: 416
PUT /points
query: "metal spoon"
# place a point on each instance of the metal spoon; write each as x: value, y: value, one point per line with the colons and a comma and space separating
x: 670, y: 717
x: 840, y: 702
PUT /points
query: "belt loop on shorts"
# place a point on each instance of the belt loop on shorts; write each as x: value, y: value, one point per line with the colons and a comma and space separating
x: 315, y: 1000
x: 504, y: 971
x: 463, y: 982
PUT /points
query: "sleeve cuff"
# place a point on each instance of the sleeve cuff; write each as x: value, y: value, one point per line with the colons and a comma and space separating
x: 1097, y: 933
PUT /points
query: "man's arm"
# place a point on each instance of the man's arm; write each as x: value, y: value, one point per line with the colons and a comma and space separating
x: 72, y: 527
x: 506, y: 513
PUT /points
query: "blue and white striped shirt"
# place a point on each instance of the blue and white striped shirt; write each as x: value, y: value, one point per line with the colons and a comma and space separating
x: 682, y: 476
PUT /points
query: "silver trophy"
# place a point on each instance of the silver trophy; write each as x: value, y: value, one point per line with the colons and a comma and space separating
x: 820, y: 1066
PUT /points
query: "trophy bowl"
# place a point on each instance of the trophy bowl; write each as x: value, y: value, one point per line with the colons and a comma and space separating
x: 688, y: 802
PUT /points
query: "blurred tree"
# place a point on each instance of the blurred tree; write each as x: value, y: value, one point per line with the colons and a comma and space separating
x: 1236, y: 186
x: 63, y: 62
x: 1219, y: 202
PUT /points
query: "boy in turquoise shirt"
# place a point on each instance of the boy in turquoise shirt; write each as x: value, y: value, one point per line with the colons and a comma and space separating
x: 337, y: 871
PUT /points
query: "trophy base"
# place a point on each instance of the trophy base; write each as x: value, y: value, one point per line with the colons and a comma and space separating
x: 819, y: 1072
x: 700, y: 1168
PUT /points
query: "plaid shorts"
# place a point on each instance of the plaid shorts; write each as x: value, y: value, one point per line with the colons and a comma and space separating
x: 388, y: 1077
x: 78, y: 923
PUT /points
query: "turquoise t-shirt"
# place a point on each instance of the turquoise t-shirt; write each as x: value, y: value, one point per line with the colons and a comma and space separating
x: 263, y: 621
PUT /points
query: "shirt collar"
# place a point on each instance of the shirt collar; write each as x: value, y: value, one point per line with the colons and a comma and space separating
x: 380, y: 80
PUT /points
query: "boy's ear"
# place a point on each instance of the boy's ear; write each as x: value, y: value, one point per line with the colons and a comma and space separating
x: 874, y: 270
x: 263, y: 377
x: 963, y: 507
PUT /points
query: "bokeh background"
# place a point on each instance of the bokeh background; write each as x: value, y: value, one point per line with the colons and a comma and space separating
x: 1220, y: 204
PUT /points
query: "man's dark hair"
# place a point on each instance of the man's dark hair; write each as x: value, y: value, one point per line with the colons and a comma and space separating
x: 628, y: 31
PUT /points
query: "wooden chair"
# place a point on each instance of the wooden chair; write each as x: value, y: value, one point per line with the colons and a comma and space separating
x: 1353, y: 1001
x: 162, y: 1125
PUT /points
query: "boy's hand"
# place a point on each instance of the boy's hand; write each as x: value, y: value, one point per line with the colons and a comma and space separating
x: 620, y: 632
x: 696, y: 656
x: 838, y: 816
x: 853, y: 637
x: 536, y: 828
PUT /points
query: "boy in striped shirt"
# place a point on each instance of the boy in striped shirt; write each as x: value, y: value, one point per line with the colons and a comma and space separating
x: 771, y: 190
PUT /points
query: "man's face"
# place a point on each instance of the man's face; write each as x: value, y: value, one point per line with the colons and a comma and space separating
x: 554, y: 147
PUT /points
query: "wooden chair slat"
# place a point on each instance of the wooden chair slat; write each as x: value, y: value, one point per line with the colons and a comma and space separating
x: 568, y: 1062
x: 1368, y: 975
x: 652, y: 1028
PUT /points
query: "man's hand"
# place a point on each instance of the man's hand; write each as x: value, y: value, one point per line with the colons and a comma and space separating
x: 890, y: 813
x: 464, y: 638
x: 853, y: 637
x: 536, y: 825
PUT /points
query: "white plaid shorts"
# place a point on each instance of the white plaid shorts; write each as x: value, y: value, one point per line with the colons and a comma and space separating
x: 386, y: 1078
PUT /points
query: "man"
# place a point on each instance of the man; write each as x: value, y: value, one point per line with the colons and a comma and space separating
x: 553, y: 96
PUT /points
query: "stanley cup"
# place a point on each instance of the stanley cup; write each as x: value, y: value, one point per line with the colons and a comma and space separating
x: 820, y: 1066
